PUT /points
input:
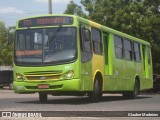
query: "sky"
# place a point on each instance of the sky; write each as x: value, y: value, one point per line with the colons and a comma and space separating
x: 12, y: 10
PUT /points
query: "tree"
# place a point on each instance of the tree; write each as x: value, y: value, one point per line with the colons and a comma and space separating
x: 75, y: 9
x: 89, y: 5
x: 6, y: 51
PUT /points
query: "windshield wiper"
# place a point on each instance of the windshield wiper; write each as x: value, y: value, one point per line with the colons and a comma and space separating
x: 55, y: 33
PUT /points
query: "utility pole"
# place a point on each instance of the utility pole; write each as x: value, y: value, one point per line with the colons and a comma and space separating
x: 50, y: 6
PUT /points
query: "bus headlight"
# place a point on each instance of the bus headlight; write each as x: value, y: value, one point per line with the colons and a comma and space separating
x: 68, y: 75
x: 20, y: 77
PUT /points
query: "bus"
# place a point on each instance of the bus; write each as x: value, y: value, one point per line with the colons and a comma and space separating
x: 69, y: 55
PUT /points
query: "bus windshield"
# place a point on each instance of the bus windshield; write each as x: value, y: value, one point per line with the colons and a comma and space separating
x: 45, y: 46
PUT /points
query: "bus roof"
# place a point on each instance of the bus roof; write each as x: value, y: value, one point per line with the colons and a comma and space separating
x: 110, y: 30
x: 94, y: 24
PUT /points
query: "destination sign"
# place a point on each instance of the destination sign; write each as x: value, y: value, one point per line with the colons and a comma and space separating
x: 30, y: 52
x: 45, y: 21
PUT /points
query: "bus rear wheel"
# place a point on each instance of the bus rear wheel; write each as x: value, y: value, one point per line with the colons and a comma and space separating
x: 43, y: 97
x: 132, y: 94
x: 96, y: 94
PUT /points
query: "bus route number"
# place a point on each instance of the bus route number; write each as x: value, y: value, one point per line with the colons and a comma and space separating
x: 27, y: 22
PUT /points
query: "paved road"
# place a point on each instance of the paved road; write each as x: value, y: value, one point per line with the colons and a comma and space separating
x: 9, y: 101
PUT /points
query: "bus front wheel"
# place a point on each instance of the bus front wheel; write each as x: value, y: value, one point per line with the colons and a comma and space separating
x: 96, y: 94
x: 43, y: 97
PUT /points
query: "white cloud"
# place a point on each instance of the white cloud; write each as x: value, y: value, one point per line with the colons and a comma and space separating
x: 10, y: 10
x: 53, y: 1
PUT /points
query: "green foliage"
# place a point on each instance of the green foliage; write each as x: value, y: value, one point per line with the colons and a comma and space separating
x: 89, y: 5
x: 6, y: 51
x: 75, y: 9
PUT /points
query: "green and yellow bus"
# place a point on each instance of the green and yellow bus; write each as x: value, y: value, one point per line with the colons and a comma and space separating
x: 70, y: 55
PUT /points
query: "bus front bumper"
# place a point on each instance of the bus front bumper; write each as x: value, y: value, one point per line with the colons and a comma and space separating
x: 48, y: 86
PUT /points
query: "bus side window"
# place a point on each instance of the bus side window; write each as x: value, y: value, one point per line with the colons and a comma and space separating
x: 137, y: 55
x: 86, y: 49
x: 127, y: 49
x: 118, y: 43
x: 85, y: 39
x: 97, y: 41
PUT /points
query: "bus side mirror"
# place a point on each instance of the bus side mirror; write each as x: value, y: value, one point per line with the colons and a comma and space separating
x: 9, y: 38
x: 10, y: 31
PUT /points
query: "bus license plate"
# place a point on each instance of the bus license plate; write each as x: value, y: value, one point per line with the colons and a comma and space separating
x: 43, y: 86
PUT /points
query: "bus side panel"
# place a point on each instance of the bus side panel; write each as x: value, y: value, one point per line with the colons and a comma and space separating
x: 86, y: 72
x: 147, y: 75
x: 112, y: 80
x: 108, y: 68
x: 128, y: 81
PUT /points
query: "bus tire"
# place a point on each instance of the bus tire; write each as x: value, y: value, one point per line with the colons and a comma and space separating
x: 132, y: 94
x: 96, y: 94
x: 43, y: 97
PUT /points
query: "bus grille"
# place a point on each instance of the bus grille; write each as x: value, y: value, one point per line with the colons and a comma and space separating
x: 43, y: 75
